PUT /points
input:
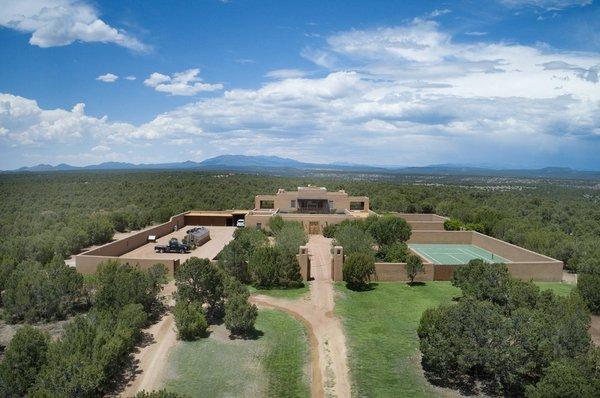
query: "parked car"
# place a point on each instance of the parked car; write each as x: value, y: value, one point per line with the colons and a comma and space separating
x: 174, y: 246
x: 240, y: 223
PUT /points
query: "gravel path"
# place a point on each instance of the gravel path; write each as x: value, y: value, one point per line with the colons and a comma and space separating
x: 328, y: 344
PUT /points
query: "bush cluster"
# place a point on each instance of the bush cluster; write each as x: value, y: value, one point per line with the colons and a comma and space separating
x: 95, y: 347
x: 208, y: 294
x: 503, y: 334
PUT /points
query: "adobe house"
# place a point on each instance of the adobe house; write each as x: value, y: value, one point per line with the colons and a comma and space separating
x: 314, y: 207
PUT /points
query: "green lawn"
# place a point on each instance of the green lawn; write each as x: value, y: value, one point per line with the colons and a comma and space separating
x: 381, y: 330
x: 272, y: 365
x: 561, y: 289
x: 282, y: 293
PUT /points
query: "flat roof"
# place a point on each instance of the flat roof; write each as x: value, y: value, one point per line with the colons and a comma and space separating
x: 216, y: 213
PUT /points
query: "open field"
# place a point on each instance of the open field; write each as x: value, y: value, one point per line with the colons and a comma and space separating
x: 219, y: 237
x: 381, y: 332
x: 275, y: 364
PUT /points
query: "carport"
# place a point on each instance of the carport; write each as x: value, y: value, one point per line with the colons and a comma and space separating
x: 214, y: 218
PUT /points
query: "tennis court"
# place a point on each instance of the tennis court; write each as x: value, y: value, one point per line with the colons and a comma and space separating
x: 452, y: 254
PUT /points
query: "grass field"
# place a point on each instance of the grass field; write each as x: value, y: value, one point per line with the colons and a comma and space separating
x: 272, y: 365
x: 381, y: 331
x: 291, y: 294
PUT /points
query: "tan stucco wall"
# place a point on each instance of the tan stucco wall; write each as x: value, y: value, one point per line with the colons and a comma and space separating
x: 122, y: 246
x: 396, y: 272
x: 461, y: 237
x: 282, y: 200
x: 337, y: 263
x: 88, y: 264
x: 323, y: 219
x: 304, y: 262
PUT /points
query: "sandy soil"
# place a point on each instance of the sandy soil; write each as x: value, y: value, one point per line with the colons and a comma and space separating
x: 219, y: 237
x: 151, y: 359
x: 330, y: 375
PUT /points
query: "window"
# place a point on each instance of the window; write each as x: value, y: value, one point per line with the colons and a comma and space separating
x: 267, y: 204
x: 293, y: 204
x: 258, y: 225
x: 357, y: 205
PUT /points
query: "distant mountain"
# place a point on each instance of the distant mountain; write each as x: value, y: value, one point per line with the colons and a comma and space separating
x: 279, y: 165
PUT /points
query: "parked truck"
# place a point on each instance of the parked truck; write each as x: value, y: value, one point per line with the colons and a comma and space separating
x: 174, y: 246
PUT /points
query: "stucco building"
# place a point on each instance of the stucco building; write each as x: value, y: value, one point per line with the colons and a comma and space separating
x: 314, y: 207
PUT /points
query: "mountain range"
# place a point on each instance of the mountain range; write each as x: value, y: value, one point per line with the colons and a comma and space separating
x: 271, y: 164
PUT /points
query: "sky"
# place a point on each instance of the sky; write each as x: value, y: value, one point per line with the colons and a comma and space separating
x: 506, y: 83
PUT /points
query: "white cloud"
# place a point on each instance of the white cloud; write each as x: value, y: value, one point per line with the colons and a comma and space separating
x: 546, y: 4
x: 183, y: 83
x: 285, y: 73
x: 437, y: 13
x: 130, y: 77
x: 107, y: 78
x: 61, y: 22
x: 409, y: 94
x: 100, y: 148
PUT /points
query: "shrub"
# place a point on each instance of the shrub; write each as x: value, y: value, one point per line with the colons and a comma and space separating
x: 24, y: 357
x: 329, y: 230
x: 397, y: 252
x: 477, y: 227
x: 197, y: 279
x: 233, y: 259
x: 567, y: 378
x: 387, y: 230
x: 358, y: 269
x: 502, y: 342
x: 91, y: 353
x: 588, y: 281
x: 353, y: 239
x: 276, y: 223
x: 290, y: 237
x: 453, y: 224
x: 483, y: 281
x: 414, y: 266
x: 264, y: 266
x: 189, y: 319
x: 250, y: 238
x: 34, y: 292
x: 240, y: 315
x: 120, y: 284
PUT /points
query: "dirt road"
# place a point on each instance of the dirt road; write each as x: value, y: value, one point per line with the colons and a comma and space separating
x: 151, y: 359
x: 328, y: 358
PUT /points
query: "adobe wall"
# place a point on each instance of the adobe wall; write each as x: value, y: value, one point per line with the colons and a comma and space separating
x: 304, y: 262
x: 396, y: 272
x: 337, y: 264
x: 420, y: 217
x: 426, y: 225
x: 507, y: 250
x: 87, y: 265
x: 459, y: 237
x: 122, y: 246
x: 545, y: 271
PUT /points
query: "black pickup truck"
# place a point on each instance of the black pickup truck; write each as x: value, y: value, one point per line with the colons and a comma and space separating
x: 173, y: 247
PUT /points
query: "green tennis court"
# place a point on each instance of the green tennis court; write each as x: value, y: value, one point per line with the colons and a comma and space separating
x: 454, y: 254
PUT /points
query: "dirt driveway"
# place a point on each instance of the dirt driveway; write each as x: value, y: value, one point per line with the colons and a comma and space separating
x: 328, y: 344
x: 151, y: 359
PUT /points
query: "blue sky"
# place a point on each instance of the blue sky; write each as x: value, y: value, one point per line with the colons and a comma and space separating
x: 510, y: 83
